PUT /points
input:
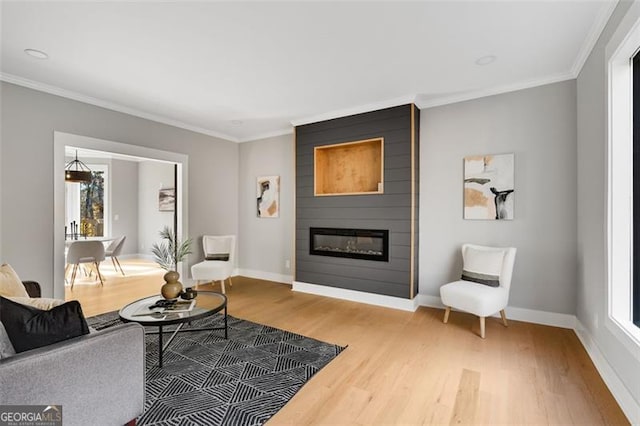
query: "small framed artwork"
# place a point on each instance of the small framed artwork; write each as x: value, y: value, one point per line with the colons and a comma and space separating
x: 167, y: 200
x: 489, y: 187
x: 268, y: 196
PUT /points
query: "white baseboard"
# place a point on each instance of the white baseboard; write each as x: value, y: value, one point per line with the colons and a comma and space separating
x: 628, y: 404
x: 357, y: 296
x: 518, y: 314
x: 267, y: 276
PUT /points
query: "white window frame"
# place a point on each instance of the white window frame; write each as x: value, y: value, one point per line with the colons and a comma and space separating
x: 619, y: 53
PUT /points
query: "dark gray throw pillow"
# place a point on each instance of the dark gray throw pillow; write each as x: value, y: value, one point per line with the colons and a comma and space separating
x: 30, y: 328
x: 218, y: 256
x: 476, y: 277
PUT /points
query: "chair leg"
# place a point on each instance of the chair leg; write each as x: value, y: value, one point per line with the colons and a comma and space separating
x: 119, y: 266
x: 446, y: 314
x: 230, y: 282
x: 222, y: 286
x: 482, y: 327
x: 73, y: 274
x: 504, y: 318
x: 98, y: 272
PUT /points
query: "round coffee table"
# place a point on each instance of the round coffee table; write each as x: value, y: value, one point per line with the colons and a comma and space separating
x: 207, y: 304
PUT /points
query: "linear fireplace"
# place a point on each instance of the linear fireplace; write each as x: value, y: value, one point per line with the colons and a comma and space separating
x: 369, y: 244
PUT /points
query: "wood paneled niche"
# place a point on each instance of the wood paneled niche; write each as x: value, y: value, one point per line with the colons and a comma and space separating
x: 350, y: 168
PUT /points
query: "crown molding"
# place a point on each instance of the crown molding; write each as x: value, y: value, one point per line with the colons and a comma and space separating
x: 69, y: 94
x: 594, y: 34
x: 266, y: 135
x: 409, y: 99
x: 429, y: 103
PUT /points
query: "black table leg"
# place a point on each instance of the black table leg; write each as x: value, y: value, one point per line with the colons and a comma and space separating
x: 225, y: 322
x: 160, y: 346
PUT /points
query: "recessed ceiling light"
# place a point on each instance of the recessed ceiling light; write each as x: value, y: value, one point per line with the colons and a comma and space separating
x: 237, y: 122
x: 486, y: 60
x: 36, y: 53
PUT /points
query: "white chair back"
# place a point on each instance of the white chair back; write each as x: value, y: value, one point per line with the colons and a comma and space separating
x: 509, y: 257
x: 219, y: 245
x: 85, y: 252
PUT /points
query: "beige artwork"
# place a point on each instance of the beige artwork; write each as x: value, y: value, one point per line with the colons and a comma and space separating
x: 268, y: 196
x: 489, y: 187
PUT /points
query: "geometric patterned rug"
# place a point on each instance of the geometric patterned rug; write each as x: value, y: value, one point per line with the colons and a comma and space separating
x: 207, y: 380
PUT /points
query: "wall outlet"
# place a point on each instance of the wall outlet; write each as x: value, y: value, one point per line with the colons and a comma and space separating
x: 287, y: 264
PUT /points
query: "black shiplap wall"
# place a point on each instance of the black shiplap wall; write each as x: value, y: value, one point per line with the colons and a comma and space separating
x: 391, y: 210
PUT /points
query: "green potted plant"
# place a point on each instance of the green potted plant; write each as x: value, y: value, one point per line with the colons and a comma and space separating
x: 167, y: 254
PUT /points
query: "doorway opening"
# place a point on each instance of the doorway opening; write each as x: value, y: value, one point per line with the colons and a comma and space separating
x: 129, y: 199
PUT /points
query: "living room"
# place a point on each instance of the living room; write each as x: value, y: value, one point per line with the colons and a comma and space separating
x: 554, y: 124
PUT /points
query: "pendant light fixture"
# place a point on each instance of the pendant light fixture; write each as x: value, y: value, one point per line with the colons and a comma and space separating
x: 77, y: 171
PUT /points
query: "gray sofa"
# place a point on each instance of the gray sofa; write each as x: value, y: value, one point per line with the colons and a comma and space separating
x: 99, y: 378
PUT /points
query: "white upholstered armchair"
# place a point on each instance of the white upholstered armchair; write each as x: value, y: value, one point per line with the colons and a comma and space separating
x: 219, y: 255
x: 483, y: 289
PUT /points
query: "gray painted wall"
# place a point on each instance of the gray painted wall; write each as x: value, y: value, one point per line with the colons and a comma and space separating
x: 265, y: 244
x: 539, y: 126
x: 152, y: 176
x: 389, y: 211
x: 30, y: 117
x: 124, y: 203
x: 591, y: 222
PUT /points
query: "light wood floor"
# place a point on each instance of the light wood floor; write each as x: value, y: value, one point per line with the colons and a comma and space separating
x: 410, y: 368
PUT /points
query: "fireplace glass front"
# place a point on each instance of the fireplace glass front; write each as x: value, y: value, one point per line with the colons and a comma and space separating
x: 369, y: 244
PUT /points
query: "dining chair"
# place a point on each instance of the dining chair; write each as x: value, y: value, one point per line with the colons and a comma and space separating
x: 219, y: 255
x: 113, y: 251
x: 85, y: 252
x: 483, y: 288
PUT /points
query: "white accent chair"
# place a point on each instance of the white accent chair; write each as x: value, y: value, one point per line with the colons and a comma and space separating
x: 219, y: 254
x: 113, y: 251
x: 491, y: 265
x: 85, y: 252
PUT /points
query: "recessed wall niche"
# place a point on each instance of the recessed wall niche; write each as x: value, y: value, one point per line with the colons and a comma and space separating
x: 350, y: 168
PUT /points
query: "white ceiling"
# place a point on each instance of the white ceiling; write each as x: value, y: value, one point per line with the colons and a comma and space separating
x: 246, y: 70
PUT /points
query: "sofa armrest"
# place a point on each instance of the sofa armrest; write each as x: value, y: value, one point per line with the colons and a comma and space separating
x: 33, y: 288
x: 98, y: 378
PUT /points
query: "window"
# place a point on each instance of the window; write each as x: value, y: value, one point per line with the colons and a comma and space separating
x: 636, y: 189
x: 86, y: 205
x: 623, y: 228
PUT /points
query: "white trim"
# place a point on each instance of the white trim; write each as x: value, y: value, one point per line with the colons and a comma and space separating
x: 517, y: 314
x: 69, y: 94
x: 357, y: 296
x: 266, y: 135
x: 591, y: 39
x: 409, y: 99
x: 619, y: 180
x: 267, y: 276
x: 623, y: 397
x: 491, y: 91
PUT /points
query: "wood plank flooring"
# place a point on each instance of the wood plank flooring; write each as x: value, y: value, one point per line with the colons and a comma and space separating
x: 410, y: 368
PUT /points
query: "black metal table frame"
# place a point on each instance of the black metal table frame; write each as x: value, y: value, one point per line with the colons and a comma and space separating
x: 180, y: 323
x: 179, y: 329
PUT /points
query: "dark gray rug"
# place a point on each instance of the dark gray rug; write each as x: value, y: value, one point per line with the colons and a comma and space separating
x: 207, y: 380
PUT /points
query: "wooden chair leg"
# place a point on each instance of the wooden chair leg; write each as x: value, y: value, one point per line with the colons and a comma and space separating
x: 446, y: 314
x: 230, y: 282
x: 222, y: 286
x: 482, y: 327
x: 504, y: 318
x: 119, y: 265
x: 73, y: 275
x: 98, y: 272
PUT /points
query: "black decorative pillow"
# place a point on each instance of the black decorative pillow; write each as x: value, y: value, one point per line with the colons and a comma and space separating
x: 218, y: 256
x: 30, y: 328
x: 486, y: 279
